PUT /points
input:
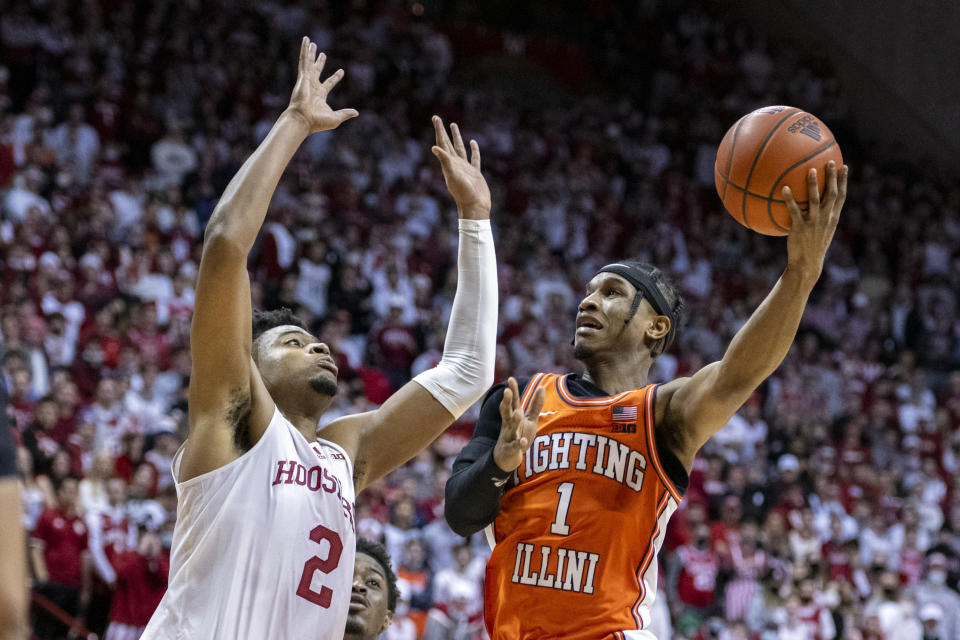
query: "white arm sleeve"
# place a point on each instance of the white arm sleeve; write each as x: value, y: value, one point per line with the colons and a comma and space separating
x: 466, y: 369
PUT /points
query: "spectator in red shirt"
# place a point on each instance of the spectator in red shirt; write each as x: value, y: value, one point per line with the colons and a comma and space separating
x: 396, y: 344
x: 61, y: 562
x: 694, y: 573
x: 141, y: 580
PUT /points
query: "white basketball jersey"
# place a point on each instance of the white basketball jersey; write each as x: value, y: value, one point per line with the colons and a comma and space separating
x: 263, y: 546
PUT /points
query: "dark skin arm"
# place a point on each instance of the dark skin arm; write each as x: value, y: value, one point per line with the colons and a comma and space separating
x: 690, y: 410
x: 224, y: 380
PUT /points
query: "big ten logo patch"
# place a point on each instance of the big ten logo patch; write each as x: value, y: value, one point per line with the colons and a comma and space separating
x: 624, y: 427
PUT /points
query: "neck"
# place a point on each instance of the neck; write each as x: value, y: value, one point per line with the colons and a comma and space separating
x: 305, y: 421
x: 616, y: 374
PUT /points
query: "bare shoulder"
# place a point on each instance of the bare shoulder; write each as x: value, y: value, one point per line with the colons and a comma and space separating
x: 668, y: 420
x: 346, y: 432
x: 664, y: 398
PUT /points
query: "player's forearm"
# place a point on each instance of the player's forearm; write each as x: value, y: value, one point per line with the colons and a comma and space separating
x: 243, y: 206
x: 473, y: 491
x: 763, y: 342
x: 465, y: 371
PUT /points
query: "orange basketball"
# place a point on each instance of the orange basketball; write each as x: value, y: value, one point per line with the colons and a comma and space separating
x: 765, y: 150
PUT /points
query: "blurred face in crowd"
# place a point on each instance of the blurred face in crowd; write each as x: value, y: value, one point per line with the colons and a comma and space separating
x: 404, y: 513
x: 106, y: 392
x: 67, y: 495
x: 24, y: 462
x: 116, y: 491
x: 293, y: 363
x: 369, y: 612
x: 46, y: 413
x: 602, y: 328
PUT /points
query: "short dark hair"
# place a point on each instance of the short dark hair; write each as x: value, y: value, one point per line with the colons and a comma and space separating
x: 378, y: 553
x: 263, y: 321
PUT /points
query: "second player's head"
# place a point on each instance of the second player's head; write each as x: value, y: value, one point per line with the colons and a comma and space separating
x: 629, y: 306
x: 374, y: 597
x: 290, y: 359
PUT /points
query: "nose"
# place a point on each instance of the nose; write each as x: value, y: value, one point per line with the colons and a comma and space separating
x: 320, y: 347
x: 587, y: 304
x: 358, y: 586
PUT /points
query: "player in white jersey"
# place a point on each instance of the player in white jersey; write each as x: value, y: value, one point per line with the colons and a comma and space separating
x: 264, y: 543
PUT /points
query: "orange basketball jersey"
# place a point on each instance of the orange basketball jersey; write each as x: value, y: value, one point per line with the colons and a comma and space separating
x: 576, y: 540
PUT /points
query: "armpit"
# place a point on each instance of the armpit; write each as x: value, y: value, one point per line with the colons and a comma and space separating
x: 238, y: 417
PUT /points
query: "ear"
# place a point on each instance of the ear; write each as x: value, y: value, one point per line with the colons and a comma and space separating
x: 386, y: 621
x: 658, y: 328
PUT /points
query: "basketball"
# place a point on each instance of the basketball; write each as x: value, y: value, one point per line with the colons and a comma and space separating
x: 764, y: 151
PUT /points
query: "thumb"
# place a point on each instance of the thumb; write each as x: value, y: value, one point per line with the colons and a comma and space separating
x: 346, y: 114
x: 442, y: 155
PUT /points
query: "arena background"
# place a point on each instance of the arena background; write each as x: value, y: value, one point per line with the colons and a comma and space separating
x: 829, y: 504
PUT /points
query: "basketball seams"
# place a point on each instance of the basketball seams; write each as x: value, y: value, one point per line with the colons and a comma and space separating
x: 786, y: 171
x: 756, y: 158
x: 733, y: 148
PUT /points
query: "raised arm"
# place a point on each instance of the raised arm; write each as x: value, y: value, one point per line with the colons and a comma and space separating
x: 226, y: 393
x: 380, y: 441
x: 692, y: 409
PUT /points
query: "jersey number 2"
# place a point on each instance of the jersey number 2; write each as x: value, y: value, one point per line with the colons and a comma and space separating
x: 320, y: 598
x: 560, y: 526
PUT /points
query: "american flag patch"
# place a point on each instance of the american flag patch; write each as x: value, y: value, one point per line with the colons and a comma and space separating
x: 624, y: 414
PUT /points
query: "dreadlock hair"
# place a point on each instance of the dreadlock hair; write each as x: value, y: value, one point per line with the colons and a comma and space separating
x: 378, y: 553
x: 265, y: 320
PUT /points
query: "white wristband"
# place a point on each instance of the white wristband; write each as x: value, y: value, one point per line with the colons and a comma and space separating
x: 466, y: 369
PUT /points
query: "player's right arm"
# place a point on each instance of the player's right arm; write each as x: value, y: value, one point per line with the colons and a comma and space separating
x: 692, y: 409
x: 501, y: 437
x: 226, y: 392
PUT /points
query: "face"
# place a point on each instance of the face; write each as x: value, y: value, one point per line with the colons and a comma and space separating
x: 67, y: 495
x: 116, y: 491
x: 369, y: 614
x: 602, y: 316
x: 289, y: 358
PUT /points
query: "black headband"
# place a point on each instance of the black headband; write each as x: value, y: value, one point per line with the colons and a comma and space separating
x: 645, y: 282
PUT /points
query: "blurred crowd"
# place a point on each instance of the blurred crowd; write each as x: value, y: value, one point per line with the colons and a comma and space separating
x: 827, y: 508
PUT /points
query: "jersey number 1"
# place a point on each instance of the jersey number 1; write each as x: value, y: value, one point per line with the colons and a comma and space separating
x: 560, y: 526
x: 320, y: 598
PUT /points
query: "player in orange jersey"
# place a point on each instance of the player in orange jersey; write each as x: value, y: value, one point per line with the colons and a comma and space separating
x: 579, y: 473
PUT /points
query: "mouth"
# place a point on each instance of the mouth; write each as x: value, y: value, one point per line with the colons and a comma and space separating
x: 327, y: 363
x: 587, y: 326
x: 357, y: 603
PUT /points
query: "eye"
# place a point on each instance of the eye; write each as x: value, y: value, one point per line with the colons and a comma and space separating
x: 614, y: 292
x: 294, y: 342
x: 374, y: 583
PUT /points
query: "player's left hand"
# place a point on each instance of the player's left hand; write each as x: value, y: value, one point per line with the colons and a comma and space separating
x: 461, y: 173
x: 812, y: 230
x: 517, y: 429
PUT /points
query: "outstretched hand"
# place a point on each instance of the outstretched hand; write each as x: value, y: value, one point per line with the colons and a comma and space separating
x: 462, y: 174
x: 812, y: 230
x: 517, y: 429
x: 309, y: 98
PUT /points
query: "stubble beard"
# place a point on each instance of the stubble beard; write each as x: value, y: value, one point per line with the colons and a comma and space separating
x: 581, y: 351
x: 323, y: 386
x: 354, y: 627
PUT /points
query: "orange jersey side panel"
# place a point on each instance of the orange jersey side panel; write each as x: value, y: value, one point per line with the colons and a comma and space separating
x: 582, y: 521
